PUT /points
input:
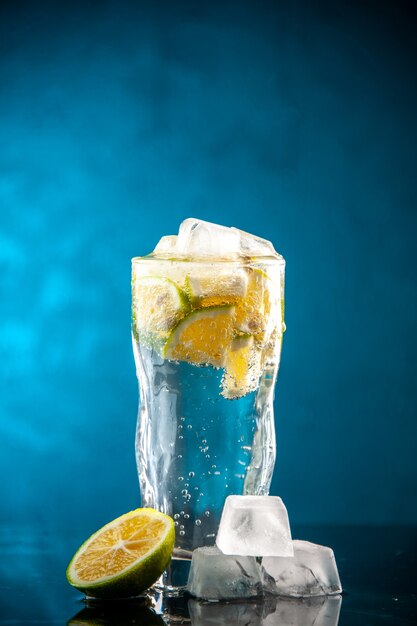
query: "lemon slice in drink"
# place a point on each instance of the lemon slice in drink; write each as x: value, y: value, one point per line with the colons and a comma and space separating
x: 158, y: 305
x: 125, y: 557
x: 203, y: 337
x: 242, y: 367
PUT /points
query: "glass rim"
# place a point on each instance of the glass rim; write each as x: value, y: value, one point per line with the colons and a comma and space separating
x: 207, y: 260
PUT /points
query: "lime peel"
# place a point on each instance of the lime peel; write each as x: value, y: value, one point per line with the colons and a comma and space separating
x: 136, y: 576
x: 158, y: 305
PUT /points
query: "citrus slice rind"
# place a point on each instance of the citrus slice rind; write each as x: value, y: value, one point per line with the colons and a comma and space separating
x: 124, y: 557
x: 158, y: 305
x: 203, y: 337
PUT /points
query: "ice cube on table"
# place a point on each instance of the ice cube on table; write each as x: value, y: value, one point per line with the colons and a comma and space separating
x: 216, y: 576
x: 198, y: 238
x: 312, y: 571
x: 226, y: 614
x: 251, y: 245
x: 255, y: 526
x: 322, y: 611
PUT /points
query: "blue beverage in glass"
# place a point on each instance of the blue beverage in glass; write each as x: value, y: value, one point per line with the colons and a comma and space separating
x: 207, y: 336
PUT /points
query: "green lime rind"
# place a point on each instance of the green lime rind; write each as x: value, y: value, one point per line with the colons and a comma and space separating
x: 134, y: 579
x: 242, y: 335
x: 189, y: 291
x: 196, y: 314
x: 157, y: 309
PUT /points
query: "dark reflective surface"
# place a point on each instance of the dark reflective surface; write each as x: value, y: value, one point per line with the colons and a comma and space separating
x: 131, y: 613
x: 377, y: 569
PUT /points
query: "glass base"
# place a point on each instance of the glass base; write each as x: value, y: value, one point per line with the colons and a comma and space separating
x: 173, y: 581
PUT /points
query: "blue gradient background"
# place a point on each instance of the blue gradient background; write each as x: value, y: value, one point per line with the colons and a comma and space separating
x: 296, y: 121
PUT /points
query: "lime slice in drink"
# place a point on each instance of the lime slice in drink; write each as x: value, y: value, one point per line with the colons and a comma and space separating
x: 215, y: 288
x: 158, y: 305
x: 125, y: 557
x: 203, y: 337
x: 242, y: 367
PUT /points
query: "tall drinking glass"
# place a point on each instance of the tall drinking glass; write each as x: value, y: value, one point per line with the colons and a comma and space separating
x: 207, y: 337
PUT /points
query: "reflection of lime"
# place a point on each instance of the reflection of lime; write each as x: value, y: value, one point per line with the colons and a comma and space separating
x: 242, y: 367
x: 158, y: 305
x: 117, y: 614
x: 203, y: 337
x: 125, y: 557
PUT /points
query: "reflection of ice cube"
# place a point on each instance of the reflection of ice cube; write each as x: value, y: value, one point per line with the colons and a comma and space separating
x: 303, y: 612
x: 222, y: 614
x: 215, y: 576
x: 166, y: 245
x: 251, y: 245
x: 255, y: 526
x: 199, y: 238
x: 311, y: 572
